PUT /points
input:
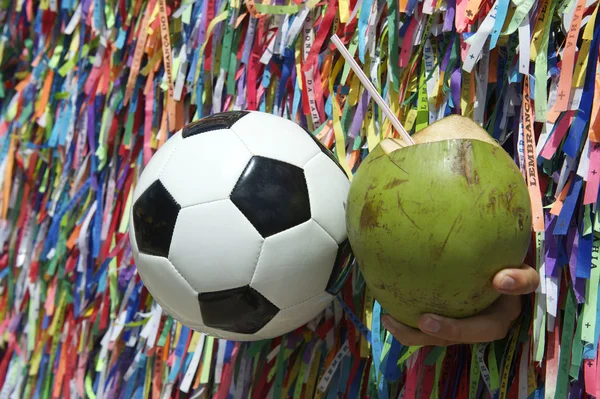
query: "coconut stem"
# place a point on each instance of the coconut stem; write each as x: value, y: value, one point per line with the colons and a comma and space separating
x: 372, y: 90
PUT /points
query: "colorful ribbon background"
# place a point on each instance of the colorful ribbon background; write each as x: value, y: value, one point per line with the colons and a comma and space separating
x: 90, y: 89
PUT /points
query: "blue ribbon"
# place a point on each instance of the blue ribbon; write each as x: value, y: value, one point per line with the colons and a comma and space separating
x: 573, y: 141
x: 96, y: 224
x: 360, y: 326
x: 54, y: 227
x: 344, y: 374
x: 353, y: 391
x: 183, y: 338
x: 363, y: 23
x: 584, y: 256
x: 499, y: 22
x: 566, y: 213
x: 199, y: 91
x: 391, y: 371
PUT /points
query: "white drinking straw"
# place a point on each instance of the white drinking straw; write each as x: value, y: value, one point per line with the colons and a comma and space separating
x: 372, y: 90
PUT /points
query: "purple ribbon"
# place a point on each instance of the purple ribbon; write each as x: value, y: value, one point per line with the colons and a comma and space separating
x: 359, y: 115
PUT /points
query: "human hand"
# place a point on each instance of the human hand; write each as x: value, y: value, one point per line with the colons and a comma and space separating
x: 490, y: 325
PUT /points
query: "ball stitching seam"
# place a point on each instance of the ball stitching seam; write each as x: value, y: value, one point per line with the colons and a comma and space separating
x: 262, y: 245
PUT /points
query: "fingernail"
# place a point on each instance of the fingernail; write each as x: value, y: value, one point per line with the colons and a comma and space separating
x: 507, y: 283
x: 431, y: 325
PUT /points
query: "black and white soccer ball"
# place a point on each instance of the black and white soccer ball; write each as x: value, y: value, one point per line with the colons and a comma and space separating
x: 238, y: 226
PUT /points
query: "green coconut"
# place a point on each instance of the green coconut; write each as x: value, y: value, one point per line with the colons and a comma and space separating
x: 432, y: 223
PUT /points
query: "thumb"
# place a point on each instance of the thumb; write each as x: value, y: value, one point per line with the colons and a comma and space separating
x: 521, y: 281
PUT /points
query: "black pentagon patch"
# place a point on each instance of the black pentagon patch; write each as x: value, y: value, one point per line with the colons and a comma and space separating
x: 326, y: 151
x: 154, y: 217
x: 273, y: 195
x: 223, y: 120
x: 240, y: 310
x: 341, y: 268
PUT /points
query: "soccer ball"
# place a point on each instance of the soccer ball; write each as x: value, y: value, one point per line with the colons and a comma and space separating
x: 238, y: 226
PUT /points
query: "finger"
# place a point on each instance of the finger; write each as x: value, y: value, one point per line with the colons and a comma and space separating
x: 490, y: 325
x: 408, y: 336
x: 520, y: 281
